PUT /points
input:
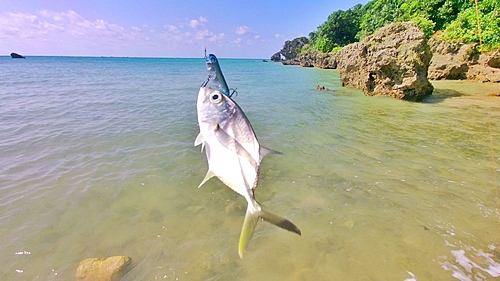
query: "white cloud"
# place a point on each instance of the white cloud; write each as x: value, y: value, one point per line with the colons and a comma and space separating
x: 171, y: 28
x: 53, y: 15
x: 240, y: 30
x: 21, y: 25
x: 194, y: 24
x: 49, y: 32
x: 205, y: 34
x: 68, y: 27
x: 197, y: 23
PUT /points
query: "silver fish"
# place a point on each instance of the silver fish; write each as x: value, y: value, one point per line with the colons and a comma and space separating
x: 234, y: 155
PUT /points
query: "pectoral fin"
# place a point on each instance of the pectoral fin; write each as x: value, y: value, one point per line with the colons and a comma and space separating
x: 199, y: 140
x: 263, y: 151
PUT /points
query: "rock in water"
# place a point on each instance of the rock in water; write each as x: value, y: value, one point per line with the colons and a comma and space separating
x: 290, y: 49
x: 391, y: 62
x: 16, y: 56
x: 103, y: 269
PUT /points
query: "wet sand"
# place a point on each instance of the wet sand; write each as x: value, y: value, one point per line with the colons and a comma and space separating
x: 466, y: 92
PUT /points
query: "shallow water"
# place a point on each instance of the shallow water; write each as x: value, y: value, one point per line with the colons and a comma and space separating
x: 97, y: 159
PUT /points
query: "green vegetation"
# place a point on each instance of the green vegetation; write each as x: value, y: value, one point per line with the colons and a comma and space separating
x: 339, y: 29
x: 466, y: 29
x: 456, y: 20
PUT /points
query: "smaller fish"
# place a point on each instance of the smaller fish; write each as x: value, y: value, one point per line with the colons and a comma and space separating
x: 215, y: 72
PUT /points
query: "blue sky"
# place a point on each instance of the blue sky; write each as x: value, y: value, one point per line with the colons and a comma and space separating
x: 169, y: 28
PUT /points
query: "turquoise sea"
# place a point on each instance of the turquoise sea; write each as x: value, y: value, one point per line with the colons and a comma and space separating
x: 97, y: 159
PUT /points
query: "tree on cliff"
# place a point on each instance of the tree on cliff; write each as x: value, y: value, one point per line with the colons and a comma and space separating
x: 466, y: 29
x: 339, y: 29
x: 430, y: 15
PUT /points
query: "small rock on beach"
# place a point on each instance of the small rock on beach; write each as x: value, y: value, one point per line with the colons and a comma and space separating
x: 103, y: 269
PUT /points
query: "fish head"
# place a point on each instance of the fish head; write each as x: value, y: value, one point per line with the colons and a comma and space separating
x: 214, y: 108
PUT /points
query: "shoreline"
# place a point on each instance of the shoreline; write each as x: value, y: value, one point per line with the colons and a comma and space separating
x: 465, y: 93
x: 467, y: 87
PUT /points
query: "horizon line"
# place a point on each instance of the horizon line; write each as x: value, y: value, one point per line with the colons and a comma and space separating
x: 143, y: 57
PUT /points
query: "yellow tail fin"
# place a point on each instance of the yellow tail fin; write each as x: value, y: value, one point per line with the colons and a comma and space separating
x: 252, y: 217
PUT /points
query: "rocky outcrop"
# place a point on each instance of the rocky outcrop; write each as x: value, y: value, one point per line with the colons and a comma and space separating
x: 314, y: 59
x: 16, y: 56
x: 318, y: 59
x: 391, y: 62
x: 450, y: 60
x: 494, y: 60
x: 290, y: 49
x: 453, y: 61
x: 483, y: 73
x: 103, y: 269
x: 487, y: 68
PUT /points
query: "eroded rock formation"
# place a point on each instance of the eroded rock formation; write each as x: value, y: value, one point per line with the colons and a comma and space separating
x: 453, y: 61
x: 391, y: 62
x: 290, y: 49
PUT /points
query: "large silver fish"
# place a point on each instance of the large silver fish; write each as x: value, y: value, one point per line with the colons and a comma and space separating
x: 234, y: 155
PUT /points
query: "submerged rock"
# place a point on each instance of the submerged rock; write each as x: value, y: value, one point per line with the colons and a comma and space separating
x: 392, y: 62
x: 103, y: 269
x: 322, y: 88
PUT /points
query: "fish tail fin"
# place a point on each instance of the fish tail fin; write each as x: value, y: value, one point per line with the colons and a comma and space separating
x: 252, y: 217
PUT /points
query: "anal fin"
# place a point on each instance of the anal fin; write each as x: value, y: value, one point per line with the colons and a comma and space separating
x: 208, y: 176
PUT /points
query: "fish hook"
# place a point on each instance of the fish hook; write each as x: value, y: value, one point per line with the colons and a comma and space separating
x: 204, y: 84
x: 233, y: 91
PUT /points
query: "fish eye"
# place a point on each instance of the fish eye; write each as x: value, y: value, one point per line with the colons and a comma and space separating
x: 215, y: 97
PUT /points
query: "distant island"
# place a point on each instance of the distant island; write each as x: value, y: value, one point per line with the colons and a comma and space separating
x: 16, y: 56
